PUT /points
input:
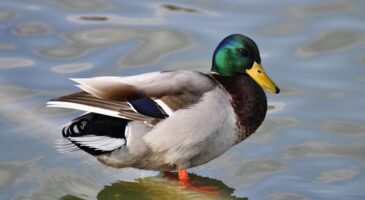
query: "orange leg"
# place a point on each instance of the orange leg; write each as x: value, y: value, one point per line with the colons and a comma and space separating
x: 184, y: 182
x: 183, y: 177
x: 183, y: 174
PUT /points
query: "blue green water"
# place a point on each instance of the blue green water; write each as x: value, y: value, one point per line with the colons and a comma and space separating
x: 311, y: 145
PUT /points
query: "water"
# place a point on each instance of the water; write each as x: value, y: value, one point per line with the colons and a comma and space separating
x: 311, y: 145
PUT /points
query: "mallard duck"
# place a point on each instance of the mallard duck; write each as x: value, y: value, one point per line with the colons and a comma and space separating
x: 171, y: 120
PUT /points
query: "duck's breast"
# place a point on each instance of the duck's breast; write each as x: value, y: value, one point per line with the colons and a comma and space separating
x: 195, y: 135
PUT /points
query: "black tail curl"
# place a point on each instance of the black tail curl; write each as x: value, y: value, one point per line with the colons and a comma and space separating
x: 93, y: 124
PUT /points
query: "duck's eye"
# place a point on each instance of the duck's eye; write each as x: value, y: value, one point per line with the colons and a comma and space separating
x: 242, y: 52
x: 259, y: 71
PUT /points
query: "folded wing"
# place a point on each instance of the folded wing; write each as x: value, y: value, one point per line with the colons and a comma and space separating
x: 147, y: 97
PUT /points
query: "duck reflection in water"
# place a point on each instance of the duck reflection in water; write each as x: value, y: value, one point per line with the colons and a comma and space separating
x: 164, y: 186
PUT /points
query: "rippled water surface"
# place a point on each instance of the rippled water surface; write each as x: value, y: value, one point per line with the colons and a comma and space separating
x: 311, y: 145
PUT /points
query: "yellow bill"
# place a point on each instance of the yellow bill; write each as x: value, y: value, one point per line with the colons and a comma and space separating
x: 259, y: 75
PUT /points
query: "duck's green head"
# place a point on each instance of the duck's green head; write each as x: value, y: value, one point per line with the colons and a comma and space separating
x: 238, y: 54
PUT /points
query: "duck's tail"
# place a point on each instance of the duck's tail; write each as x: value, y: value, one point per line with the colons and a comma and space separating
x: 94, y: 133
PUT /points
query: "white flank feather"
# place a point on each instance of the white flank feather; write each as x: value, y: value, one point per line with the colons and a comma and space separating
x: 99, y: 142
x: 164, y: 107
x: 76, y: 106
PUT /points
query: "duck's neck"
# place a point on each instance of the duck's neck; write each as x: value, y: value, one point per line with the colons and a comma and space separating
x: 248, y: 100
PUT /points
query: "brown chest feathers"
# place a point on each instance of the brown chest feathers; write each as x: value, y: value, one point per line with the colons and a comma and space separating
x: 248, y: 100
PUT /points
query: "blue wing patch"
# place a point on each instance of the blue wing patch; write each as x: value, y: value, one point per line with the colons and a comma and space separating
x: 147, y: 106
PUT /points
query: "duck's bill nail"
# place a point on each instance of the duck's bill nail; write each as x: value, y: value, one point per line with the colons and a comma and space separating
x: 258, y: 74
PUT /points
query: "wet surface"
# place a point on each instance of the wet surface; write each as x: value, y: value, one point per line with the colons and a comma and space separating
x: 32, y: 29
x: 311, y: 145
